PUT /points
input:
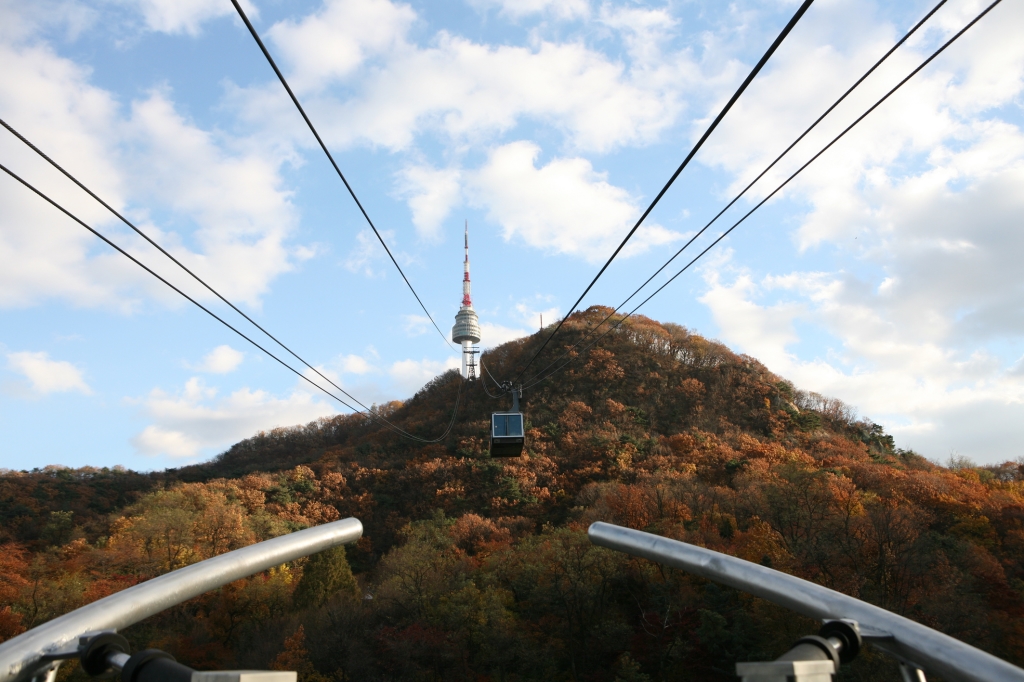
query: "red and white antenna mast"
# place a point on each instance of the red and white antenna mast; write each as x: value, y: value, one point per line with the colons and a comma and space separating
x: 467, y: 301
x: 467, y: 325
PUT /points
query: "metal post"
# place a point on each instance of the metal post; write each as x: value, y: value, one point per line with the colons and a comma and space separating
x: 905, y: 639
x: 31, y: 653
x: 811, y: 659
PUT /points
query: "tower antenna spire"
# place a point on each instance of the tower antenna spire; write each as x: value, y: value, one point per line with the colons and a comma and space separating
x: 467, y: 325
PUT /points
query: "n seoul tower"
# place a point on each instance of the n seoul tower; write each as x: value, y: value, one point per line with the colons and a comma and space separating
x: 467, y: 326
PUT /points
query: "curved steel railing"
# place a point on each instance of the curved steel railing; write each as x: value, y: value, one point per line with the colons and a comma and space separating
x: 910, y: 642
x: 30, y: 654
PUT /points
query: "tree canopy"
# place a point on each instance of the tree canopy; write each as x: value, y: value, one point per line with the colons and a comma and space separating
x: 478, y: 568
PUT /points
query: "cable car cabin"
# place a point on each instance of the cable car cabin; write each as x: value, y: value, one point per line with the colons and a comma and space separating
x: 507, y: 435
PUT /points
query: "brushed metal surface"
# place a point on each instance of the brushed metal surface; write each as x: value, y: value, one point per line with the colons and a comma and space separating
x: 905, y: 639
x: 21, y: 657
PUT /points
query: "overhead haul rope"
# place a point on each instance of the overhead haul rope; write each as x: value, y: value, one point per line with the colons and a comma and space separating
x: 295, y: 100
x: 196, y: 277
x: 496, y: 382
x: 369, y: 413
x: 778, y: 158
x: 860, y: 118
x: 707, y: 133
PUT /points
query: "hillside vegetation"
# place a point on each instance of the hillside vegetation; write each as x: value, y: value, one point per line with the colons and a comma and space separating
x: 473, y: 568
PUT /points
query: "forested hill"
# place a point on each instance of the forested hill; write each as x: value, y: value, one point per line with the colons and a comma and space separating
x: 475, y: 568
x: 658, y: 377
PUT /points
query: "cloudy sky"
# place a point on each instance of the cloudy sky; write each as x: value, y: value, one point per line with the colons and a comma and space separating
x: 887, y: 275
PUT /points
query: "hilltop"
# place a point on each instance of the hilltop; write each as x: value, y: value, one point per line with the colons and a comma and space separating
x: 473, y: 567
x: 665, y: 378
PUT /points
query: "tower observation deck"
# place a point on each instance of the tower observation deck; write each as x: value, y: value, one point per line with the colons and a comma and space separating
x: 467, y: 325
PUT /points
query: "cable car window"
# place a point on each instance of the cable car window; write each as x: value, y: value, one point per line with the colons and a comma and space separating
x: 507, y: 425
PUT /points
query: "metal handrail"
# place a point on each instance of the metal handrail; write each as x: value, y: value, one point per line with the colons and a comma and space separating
x: 25, y: 656
x: 908, y: 641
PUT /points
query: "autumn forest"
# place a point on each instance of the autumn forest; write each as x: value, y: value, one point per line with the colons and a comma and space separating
x: 474, y: 568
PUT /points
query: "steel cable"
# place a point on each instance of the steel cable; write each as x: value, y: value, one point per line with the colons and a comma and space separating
x: 936, y: 53
x: 707, y: 133
x: 760, y: 175
x: 488, y: 372
x: 196, y: 277
x: 369, y: 413
x: 330, y: 157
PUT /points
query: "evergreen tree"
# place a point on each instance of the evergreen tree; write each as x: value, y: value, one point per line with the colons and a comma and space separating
x: 324, y: 575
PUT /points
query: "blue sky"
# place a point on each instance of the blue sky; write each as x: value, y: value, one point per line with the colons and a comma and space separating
x: 887, y: 275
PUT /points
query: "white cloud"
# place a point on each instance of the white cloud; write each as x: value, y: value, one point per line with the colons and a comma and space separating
x: 768, y: 329
x: 185, y: 16
x: 48, y: 98
x: 908, y: 377
x: 466, y: 90
x: 415, y: 325
x: 195, y: 422
x: 223, y: 192
x: 919, y: 211
x: 562, y: 207
x: 492, y: 335
x: 45, y: 375
x: 373, y: 382
x: 431, y: 193
x: 154, y: 440
x: 354, y: 364
x: 931, y: 113
x: 221, y: 360
x: 25, y: 19
x: 644, y: 31
x: 926, y: 303
x: 516, y: 9
x: 243, y: 215
x: 368, y: 252
x: 408, y: 376
x: 530, y: 312
x: 335, y: 41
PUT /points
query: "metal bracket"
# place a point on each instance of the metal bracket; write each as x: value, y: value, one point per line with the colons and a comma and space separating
x: 517, y: 393
x: 911, y: 673
x: 48, y: 663
x: 783, y: 671
x: 46, y: 672
x: 73, y: 648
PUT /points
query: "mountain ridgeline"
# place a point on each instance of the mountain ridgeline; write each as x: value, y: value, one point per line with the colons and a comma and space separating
x: 475, y: 568
x: 665, y: 378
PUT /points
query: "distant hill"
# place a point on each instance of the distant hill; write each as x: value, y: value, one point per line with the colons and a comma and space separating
x: 473, y: 567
